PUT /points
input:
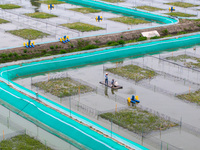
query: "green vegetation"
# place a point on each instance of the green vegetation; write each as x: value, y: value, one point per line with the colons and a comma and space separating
x: 180, y: 14
x: 138, y: 121
x: 113, y: 43
x: 132, y: 72
x: 155, y: 37
x: 30, y: 34
x: 165, y: 32
x: 9, y: 6
x: 82, y: 26
x: 50, y: 2
x: 40, y: 15
x: 63, y: 51
x: 22, y: 142
x: 129, y: 20
x: 191, y: 97
x: 114, y: 1
x: 63, y: 87
x: 181, y: 32
x: 3, y: 21
x: 142, y: 38
x: 196, y: 20
x: 53, y: 50
x: 85, y: 45
x: 181, y: 4
x: 51, y: 47
x: 122, y: 42
x: 149, y: 8
x: 189, y: 61
x: 25, y: 51
x: 86, y: 10
x: 181, y: 58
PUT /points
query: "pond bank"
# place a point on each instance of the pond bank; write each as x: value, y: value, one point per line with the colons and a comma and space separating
x: 185, y: 26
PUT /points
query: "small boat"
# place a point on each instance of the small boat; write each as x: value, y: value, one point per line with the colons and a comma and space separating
x: 110, y: 85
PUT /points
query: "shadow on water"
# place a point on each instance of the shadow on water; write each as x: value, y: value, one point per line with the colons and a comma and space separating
x: 112, y: 91
x: 36, y: 4
x: 106, y: 91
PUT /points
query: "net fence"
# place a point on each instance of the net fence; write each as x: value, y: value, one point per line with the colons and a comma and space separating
x: 75, y: 104
x: 14, y: 129
x: 164, y: 75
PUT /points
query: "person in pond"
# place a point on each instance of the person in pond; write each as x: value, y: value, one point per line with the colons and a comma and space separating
x: 106, y: 79
x: 113, y: 83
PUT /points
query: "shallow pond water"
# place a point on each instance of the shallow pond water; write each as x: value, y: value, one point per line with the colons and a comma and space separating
x: 32, y: 130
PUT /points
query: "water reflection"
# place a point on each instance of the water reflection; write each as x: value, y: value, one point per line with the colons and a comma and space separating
x: 106, y: 91
x: 113, y: 91
x: 36, y: 4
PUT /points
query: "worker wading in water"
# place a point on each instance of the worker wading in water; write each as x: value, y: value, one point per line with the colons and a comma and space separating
x: 106, y: 79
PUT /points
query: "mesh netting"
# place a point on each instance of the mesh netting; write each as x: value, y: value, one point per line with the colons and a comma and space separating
x: 77, y: 132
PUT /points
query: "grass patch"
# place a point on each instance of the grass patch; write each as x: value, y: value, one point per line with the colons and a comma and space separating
x: 22, y: 142
x: 83, y: 27
x: 138, y: 121
x: 113, y: 1
x: 50, y: 2
x: 3, y: 21
x: 196, y: 20
x: 129, y: 20
x: 191, y: 97
x: 132, y: 72
x: 30, y: 34
x: 149, y: 8
x: 181, y: 58
x: 63, y: 87
x: 180, y: 14
x: 189, y: 61
x: 40, y: 15
x: 9, y: 6
x: 86, y: 10
x: 181, y: 4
